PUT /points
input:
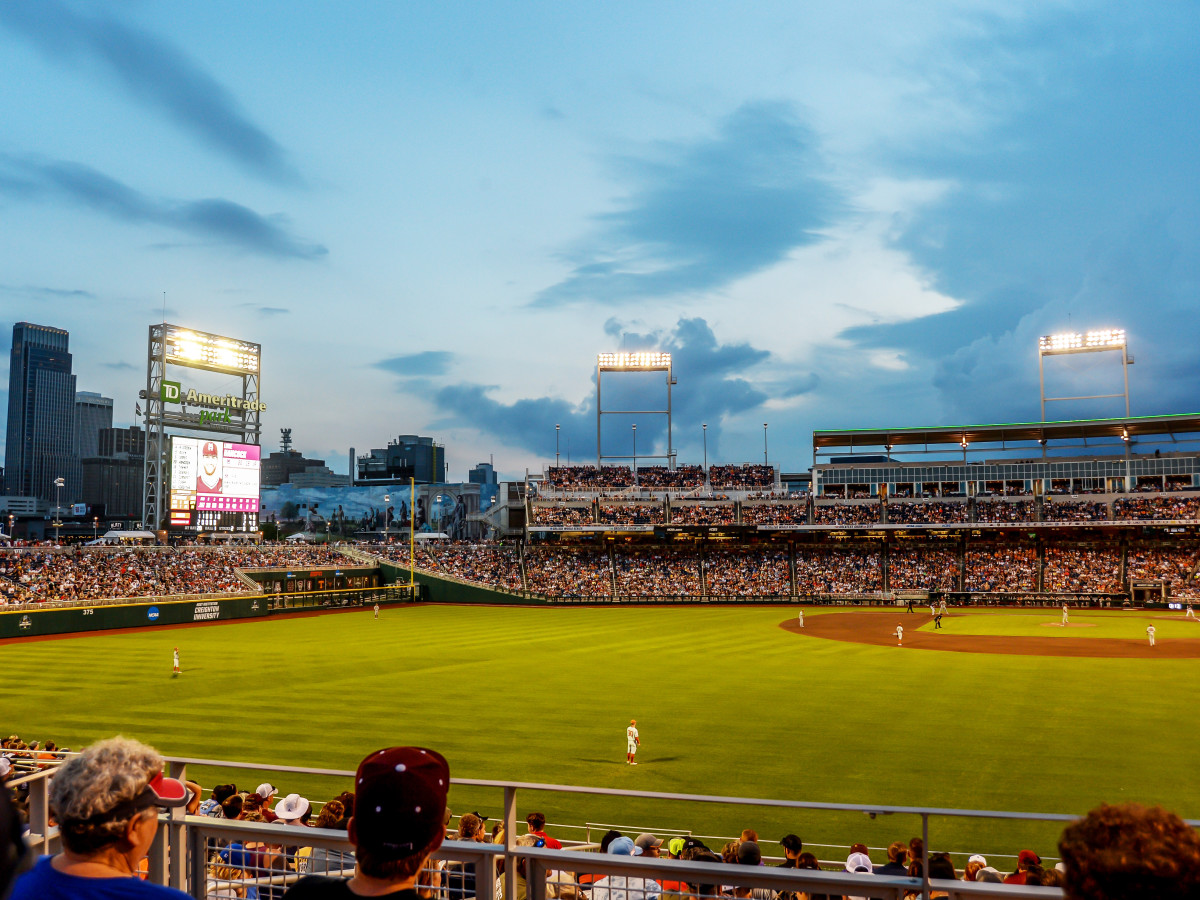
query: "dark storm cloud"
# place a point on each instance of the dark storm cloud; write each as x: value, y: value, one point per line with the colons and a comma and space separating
x: 46, y: 293
x: 155, y: 73
x: 706, y: 213
x: 1077, y: 208
x: 424, y: 364
x: 213, y: 219
x: 712, y: 372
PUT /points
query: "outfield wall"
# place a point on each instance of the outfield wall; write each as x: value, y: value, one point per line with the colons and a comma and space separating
x: 30, y: 623
x: 446, y: 590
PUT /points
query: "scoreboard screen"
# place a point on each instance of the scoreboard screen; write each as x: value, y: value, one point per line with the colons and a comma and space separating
x: 214, y: 485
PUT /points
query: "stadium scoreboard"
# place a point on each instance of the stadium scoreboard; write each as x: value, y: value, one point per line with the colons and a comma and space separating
x: 214, y: 485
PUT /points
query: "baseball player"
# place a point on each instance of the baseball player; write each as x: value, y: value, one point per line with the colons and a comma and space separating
x: 942, y: 606
x: 175, y: 668
x: 1190, y: 614
x: 631, y: 742
x: 1066, y: 619
x: 377, y: 610
x: 800, y: 617
x: 899, y: 635
x: 937, y: 620
x: 1150, y: 634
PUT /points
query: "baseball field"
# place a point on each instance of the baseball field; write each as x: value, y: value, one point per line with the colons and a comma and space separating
x: 729, y: 701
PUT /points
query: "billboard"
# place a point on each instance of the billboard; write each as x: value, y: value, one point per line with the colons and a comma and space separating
x: 214, y: 484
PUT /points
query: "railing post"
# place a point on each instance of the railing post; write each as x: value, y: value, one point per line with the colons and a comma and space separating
x: 198, y: 863
x: 510, y: 827
x: 39, y: 812
x: 177, y: 837
x: 925, y: 856
x: 535, y: 879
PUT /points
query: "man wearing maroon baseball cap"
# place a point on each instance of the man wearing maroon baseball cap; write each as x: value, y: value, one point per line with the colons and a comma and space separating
x: 399, y: 808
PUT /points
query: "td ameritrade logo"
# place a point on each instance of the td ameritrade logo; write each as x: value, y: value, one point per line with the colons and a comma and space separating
x: 217, y: 407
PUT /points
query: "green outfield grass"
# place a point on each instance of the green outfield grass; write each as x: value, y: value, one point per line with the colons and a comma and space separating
x: 1083, y: 624
x: 727, y: 703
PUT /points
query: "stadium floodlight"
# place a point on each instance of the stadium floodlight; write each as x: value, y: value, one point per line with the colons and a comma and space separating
x: 646, y: 361
x: 1095, y: 341
x: 201, y: 350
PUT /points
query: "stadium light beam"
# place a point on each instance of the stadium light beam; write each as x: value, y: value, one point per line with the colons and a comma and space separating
x: 1096, y: 341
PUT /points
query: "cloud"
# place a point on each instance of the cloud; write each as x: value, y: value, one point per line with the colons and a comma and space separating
x: 213, y: 219
x: 427, y: 363
x: 700, y: 215
x: 154, y: 73
x: 119, y: 366
x: 266, y: 310
x: 47, y: 293
x: 717, y: 389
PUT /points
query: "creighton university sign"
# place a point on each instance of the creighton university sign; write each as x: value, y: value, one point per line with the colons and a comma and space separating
x: 218, y: 406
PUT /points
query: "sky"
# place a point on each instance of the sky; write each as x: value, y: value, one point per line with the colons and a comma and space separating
x: 433, y: 216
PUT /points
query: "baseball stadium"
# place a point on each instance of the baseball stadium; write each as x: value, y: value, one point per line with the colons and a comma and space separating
x: 950, y: 640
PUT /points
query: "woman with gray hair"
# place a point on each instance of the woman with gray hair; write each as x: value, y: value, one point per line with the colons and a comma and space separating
x: 106, y: 803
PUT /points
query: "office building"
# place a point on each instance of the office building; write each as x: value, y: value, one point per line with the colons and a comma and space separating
x: 112, y: 479
x: 92, y: 412
x: 41, y: 415
x: 483, y: 473
x: 408, y: 457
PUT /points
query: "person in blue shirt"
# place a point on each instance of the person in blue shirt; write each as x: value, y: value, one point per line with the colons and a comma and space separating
x: 106, y: 802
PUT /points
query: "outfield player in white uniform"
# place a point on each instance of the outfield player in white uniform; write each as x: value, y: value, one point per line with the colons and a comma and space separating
x: 1066, y: 619
x: 175, y: 666
x: 1150, y: 634
x: 899, y: 635
x: 631, y: 742
x: 377, y: 610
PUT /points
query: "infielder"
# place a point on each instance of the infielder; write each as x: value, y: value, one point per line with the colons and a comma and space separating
x: 1150, y: 634
x: 899, y: 635
x: 631, y: 742
x: 175, y: 667
x: 800, y: 617
x: 1190, y: 614
x: 1066, y: 619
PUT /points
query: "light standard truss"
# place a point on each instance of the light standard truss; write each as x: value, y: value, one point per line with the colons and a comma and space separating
x: 1099, y: 341
x: 628, y: 363
x: 174, y: 345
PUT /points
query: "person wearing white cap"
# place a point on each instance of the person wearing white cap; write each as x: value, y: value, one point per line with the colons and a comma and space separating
x: 5, y: 768
x: 974, y: 865
x: 293, y: 810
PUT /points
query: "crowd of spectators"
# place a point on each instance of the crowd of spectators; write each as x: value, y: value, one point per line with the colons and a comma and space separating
x: 1081, y: 570
x: 844, y: 571
x: 999, y: 511
x: 563, y: 572
x: 922, y: 569
x: 1073, y: 511
x: 846, y: 514
x: 632, y: 514
x: 562, y: 514
x: 496, y: 564
x: 783, y: 512
x: 589, y: 478
x: 1171, y: 564
x: 689, y: 513
x: 747, y: 573
x: 661, y: 478
x: 658, y: 574
x: 744, y: 477
x: 1002, y: 569
x: 933, y: 513
x: 1143, y: 508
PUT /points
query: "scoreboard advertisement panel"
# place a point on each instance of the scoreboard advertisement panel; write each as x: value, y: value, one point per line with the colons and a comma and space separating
x: 214, y: 484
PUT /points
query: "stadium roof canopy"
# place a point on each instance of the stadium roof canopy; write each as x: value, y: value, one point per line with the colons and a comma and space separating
x: 1171, y: 427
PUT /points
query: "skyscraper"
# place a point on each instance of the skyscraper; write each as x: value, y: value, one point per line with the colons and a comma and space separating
x: 92, y: 412
x: 41, y: 415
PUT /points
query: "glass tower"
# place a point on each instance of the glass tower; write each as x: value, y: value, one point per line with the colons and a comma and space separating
x: 41, y: 415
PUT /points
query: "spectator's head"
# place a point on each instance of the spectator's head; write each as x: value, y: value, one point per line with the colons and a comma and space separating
x: 749, y: 834
x: 806, y: 860
x: 974, y: 864
x: 729, y: 852
x: 108, y: 795
x: 916, y: 849
x: 1127, y: 851
x: 749, y: 854
x: 331, y: 814
x: 231, y: 808
x: 620, y: 846
x: 1026, y: 859
x: 648, y: 844
x: 675, y: 847
x: 266, y: 791
x: 293, y: 810
x: 346, y: 798
x: 858, y: 862
x: 941, y: 866
x: 223, y: 792
x: 536, y: 821
x: 470, y: 827
x: 792, y: 845
x: 606, y: 841
x: 399, y: 810
x: 989, y: 875
x: 897, y: 852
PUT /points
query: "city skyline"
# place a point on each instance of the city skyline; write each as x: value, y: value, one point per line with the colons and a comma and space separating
x: 854, y: 217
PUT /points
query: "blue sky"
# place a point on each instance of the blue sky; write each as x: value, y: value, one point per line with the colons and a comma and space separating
x: 433, y: 216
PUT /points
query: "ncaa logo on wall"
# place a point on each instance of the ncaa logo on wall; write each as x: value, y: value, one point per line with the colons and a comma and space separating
x: 152, y: 613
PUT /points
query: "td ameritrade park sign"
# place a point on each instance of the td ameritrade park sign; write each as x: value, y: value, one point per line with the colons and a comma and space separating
x: 214, y: 407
